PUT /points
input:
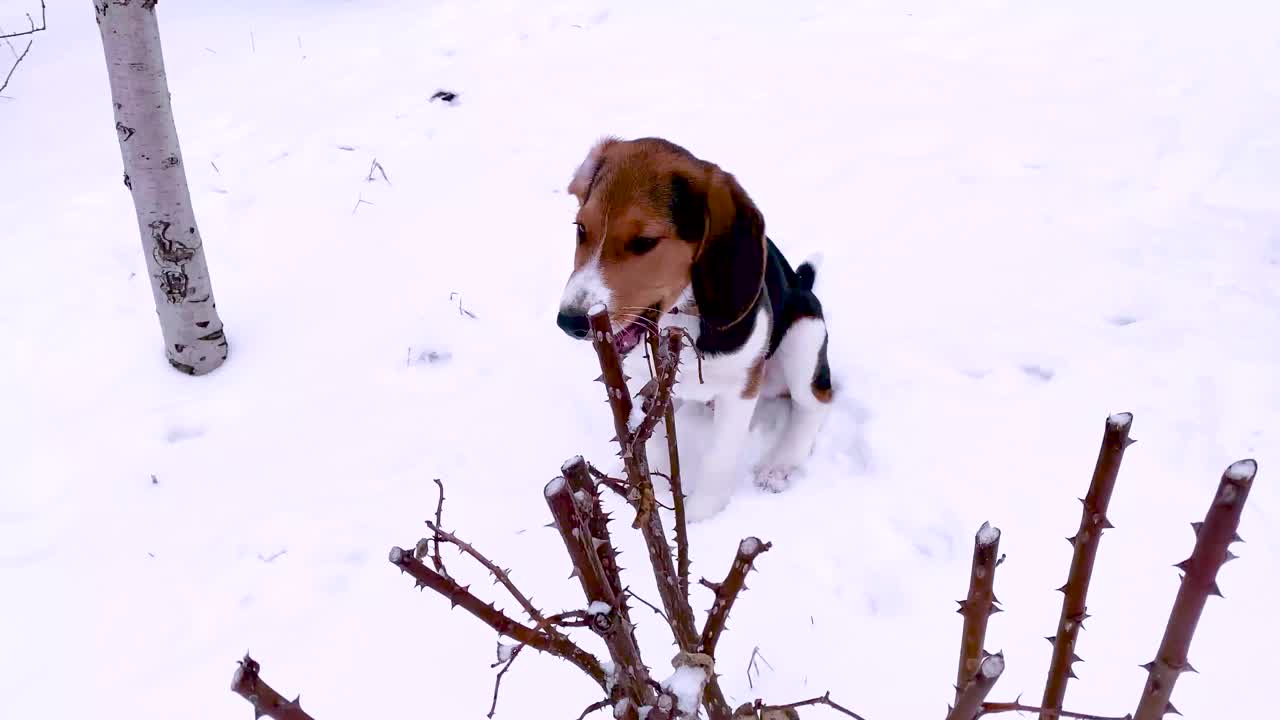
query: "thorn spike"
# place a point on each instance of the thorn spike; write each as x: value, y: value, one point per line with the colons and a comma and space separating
x: 1213, y: 590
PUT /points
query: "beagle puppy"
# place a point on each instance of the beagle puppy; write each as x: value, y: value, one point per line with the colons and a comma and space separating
x: 665, y: 238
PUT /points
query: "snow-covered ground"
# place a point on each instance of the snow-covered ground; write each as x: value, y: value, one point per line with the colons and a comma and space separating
x: 1033, y: 215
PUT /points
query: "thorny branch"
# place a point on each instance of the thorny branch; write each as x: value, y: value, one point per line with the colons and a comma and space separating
x: 265, y: 700
x: 607, y: 620
x: 993, y: 708
x: 675, y: 339
x: 975, y: 691
x: 727, y: 592
x: 1214, y: 537
x: 759, y: 708
x: 578, y: 473
x: 635, y: 460
x: 503, y: 577
x: 554, y: 644
x: 593, y: 707
x: 980, y: 604
x: 1084, y: 544
x: 567, y: 619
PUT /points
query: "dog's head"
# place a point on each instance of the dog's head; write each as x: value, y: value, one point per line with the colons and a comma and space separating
x: 654, y: 221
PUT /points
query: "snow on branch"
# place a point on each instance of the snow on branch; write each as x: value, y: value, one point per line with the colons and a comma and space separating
x: 980, y: 604
x: 265, y: 700
x: 1084, y: 544
x: 1214, y: 537
x: 727, y: 591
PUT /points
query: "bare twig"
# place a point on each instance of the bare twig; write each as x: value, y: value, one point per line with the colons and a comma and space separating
x: 435, y: 547
x: 980, y: 604
x: 375, y: 165
x: 1200, y: 580
x: 554, y: 644
x: 265, y: 700
x: 751, y: 665
x: 14, y: 67
x: 44, y: 25
x: 993, y: 708
x: 674, y: 339
x: 497, y: 680
x: 630, y: 593
x: 727, y: 592
x: 1093, y: 520
x: 825, y: 699
x: 503, y: 577
x: 969, y: 704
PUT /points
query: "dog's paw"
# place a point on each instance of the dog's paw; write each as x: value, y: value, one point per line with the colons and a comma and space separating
x: 702, y: 507
x: 774, y: 478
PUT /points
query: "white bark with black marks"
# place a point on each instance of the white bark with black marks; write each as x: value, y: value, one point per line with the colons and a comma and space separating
x: 154, y: 173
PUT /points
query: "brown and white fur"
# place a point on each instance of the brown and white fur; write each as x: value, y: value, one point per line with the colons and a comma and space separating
x: 665, y: 238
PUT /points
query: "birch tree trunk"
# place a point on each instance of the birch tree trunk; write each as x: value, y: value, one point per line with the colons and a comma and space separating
x: 154, y: 173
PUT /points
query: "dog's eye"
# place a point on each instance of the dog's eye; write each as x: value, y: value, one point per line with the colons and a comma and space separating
x: 641, y: 245
x: 582, y: 233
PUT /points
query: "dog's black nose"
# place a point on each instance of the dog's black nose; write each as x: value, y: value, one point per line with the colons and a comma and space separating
x: 575, y: 326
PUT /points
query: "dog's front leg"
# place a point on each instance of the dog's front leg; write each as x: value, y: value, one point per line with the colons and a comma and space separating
x: 730, y: 423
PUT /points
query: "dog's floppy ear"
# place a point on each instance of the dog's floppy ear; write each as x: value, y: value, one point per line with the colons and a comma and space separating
x: 580, y: 185
x: 728, y: 264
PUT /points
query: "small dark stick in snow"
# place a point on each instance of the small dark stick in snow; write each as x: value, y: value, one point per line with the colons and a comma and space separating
x: 980, y: 604
x: 1084, y: 544
x: 1214, y: 537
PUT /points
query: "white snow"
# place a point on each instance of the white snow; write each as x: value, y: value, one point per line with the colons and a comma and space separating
x: 686, y: 684
x: 992, y: 666
x: 749, y: 546
x: 598, y: 607
x: 1120, y: 420
x: 1238, y: 471
x: 555, y: 487
x: 988, y: 534
x: 1039, y: 211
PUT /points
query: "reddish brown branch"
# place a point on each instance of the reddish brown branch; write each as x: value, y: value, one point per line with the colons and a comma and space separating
x: 607, y: 620
x: 993, y: 708
x: 668, y: 353
x: 555, y: 644
x: 587, y: 497
x: 727, y: 592
x: 980, y: 604
x: 969, y: 704
x: 497, y: 681
x: 759, y: 709
x: 593, y: 707
x: 1200, y: 580
x: 503, y: 577
x: 647, y: 520
x: 435, y: 543
x: 1093, y: 520
x: 265, y: 700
